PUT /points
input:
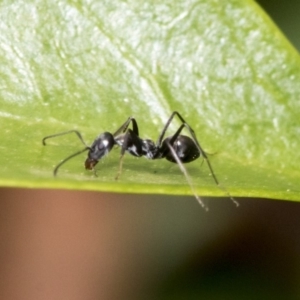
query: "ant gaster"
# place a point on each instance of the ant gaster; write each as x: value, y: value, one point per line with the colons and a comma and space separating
x: 177, y: 148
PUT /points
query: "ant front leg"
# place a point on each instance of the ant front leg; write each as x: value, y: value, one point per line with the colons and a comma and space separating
x: 124, y: 127
x: 126, y: 140
x: 130, y: 142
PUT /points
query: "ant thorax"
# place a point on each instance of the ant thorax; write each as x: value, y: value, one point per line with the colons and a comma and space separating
x: 149, y: 149
x: 130, y: 143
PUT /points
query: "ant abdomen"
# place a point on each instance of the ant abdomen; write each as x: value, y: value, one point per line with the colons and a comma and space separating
x: 184, y: 147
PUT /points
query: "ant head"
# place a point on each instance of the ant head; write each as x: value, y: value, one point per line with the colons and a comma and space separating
x: 100, y: 147
x: 90, y: 163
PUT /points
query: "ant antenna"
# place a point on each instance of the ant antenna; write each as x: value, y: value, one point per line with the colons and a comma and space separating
x: 71, y: 156
x: 68, y: 158
x: 63, y: 133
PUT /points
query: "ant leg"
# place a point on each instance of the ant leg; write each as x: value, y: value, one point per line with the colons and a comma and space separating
x: 192, y: 133
x: 95, y: 172
x: 129, y: 132
x: 124, y: 127
x: 162, y: 134
x: 180, y: 164
x: 120, y: 167
x: 203, y: 153
x: 183, y: 170
x: 124, y: 147
x: 63, y: 133
x: 132, y: 143
x: 68, y: 158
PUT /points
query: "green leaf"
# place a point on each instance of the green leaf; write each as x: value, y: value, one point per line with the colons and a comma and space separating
x: 90, y: 65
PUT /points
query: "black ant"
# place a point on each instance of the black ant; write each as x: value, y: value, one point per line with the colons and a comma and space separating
x: 177, y: 148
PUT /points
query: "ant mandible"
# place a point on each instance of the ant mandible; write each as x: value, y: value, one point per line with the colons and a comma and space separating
x: 177, y: 148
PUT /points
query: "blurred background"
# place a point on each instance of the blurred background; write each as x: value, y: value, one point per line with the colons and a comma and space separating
x: 88, y: 245
x: 286, y: 15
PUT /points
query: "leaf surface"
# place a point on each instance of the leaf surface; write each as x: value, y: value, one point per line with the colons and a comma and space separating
x: 90, y: 65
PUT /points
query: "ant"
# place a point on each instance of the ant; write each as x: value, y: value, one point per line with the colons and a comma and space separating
x: 177, y: 148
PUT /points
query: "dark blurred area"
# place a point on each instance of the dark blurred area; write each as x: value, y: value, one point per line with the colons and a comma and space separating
x: 88, y: 245
x: 286, y: 15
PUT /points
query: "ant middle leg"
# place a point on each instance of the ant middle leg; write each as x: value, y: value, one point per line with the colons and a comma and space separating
x: 124, y: 127
x: 131, y: 143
